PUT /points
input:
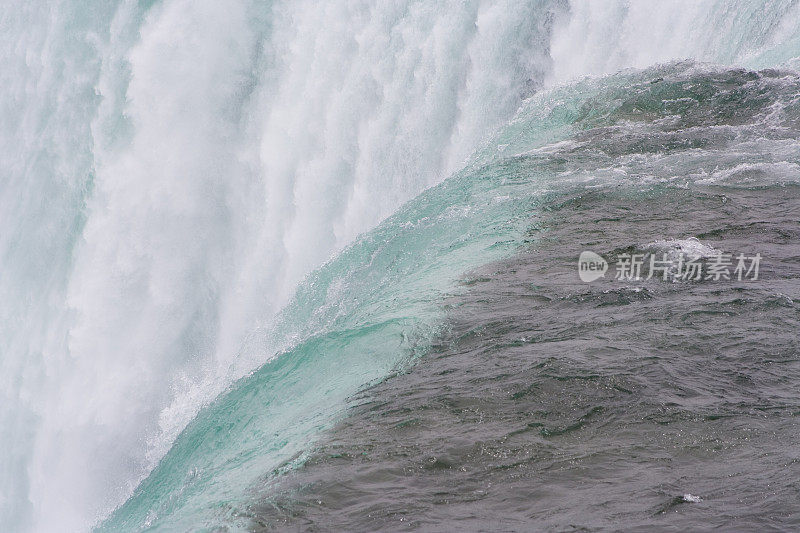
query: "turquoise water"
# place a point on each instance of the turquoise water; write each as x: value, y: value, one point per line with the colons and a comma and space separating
x: 380, y: 304
x: 223, y: 220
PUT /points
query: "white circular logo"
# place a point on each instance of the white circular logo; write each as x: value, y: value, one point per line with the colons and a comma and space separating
x: 591, y: 266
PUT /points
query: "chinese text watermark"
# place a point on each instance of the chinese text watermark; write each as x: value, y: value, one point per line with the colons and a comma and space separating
x: 671, y: 266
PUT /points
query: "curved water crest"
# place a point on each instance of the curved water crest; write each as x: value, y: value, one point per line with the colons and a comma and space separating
x: 226, y: 218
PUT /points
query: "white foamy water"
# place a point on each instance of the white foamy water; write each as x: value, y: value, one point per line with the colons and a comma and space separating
x: 171, y: 170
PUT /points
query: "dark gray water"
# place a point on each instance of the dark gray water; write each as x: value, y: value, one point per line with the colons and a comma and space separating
x: 557, y: 405
x: 249, y: 269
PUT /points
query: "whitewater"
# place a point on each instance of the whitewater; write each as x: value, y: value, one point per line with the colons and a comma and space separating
x: 222, y: 220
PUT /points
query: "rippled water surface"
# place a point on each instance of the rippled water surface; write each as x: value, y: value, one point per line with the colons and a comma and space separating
x: 553, y: 404
x: 560, y: 405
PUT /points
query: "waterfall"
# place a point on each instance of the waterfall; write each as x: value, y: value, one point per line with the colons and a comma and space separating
x: 172, y: 170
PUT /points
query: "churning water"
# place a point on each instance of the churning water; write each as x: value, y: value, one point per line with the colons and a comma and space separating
x: 289, y: 265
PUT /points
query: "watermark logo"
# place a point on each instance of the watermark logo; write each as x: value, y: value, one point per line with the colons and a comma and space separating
x: 671, y: 266
x: 591, y: 266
